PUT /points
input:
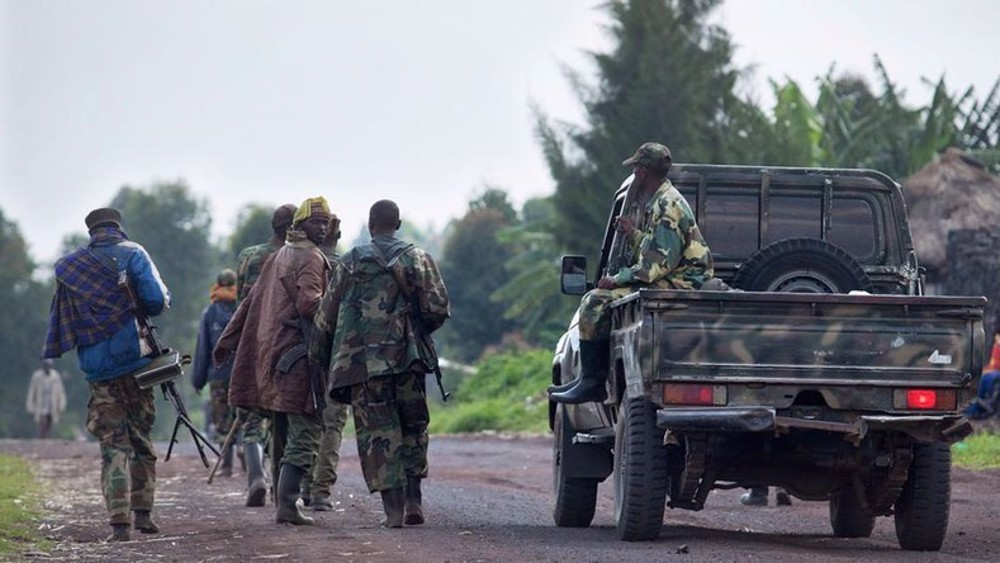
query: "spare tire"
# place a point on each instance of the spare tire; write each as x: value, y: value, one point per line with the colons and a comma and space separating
x: 802, y: 265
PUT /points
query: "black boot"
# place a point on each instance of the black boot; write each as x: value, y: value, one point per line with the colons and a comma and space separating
x: 392, y: 504
x: 756, y: 497
x: 413, y: 510
x: 226, y: 469
x: 256, y: 485
x: 305, y: 487
x: 591, y: 387
x: 119, y: 532
x: 561, y: 387
x: 287, y: 493
x: 144, y: 523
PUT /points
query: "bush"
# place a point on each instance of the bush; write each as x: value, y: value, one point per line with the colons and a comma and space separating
x: 507, y: 393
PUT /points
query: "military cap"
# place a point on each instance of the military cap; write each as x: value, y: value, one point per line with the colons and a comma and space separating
x: 104, y: 216
x: 650, y: 155
x: 226, y: 277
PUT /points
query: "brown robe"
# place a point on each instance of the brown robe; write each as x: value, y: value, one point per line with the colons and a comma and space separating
x: 266, y: 325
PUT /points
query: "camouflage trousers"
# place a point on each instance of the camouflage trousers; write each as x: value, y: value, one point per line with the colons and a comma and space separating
x: 294, y: 439
x: 254, y: 427
x: 325, y: 471
x: 120, y: 415
x: 595, y: 318
x: 391, y: 418
x: 221, y: 414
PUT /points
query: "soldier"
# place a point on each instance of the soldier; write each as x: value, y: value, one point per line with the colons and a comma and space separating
x: 271, y: 371
x: 664, y: 249
x: 316, y: 490
x: 92, y: 313
x: 213, y: 320
x: 251, y: 260
x: 381, y: 295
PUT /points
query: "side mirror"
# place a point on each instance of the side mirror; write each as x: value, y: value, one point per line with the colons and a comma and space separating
x: 573, y: 275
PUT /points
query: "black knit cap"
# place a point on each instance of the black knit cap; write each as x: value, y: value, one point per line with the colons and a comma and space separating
x: 104, y: 216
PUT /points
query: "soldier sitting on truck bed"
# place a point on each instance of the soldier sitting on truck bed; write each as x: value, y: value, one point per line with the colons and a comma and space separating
x: 663, y: 248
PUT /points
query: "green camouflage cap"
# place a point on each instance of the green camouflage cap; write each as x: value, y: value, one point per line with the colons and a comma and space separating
x: 650, y: 155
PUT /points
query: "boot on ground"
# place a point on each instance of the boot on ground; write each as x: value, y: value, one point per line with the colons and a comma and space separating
x: 144, y: 522
x: 119, y: 532
x: 782, y: 498
x: 413, y: 509
x: 226, y: 469
x: 392, y: 503
x: 287, y: 493
x: 256, y: 485
x: 756, y: 497
x: 321, y: 504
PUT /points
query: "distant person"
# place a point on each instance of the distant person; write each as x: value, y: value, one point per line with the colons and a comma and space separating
x: 365, y: 333
x: 987, y: 401
x: 92, y: 313
x: 317, y: 488
x: 254, y: 430
x: 664, y: 249
x: 214, y: 319
x: 271, y: 371
x: 46, y: 397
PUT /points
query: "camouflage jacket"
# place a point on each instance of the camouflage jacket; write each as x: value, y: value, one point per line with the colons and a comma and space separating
x: 667, y: 249
x: 364, y: 325
x: 251, y: 262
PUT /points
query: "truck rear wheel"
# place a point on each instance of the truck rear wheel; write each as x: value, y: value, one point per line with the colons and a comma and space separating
x: 922, y: 507
x: 640, y: 474
x: 848, y: 518
x: 576, y: 498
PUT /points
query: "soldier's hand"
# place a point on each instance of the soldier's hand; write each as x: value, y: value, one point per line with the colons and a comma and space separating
x: 607, y: 282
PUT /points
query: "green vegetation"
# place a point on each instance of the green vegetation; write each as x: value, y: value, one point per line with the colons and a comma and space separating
x: 18, y: 506
x: 506, y: 393
x: 981, y: 451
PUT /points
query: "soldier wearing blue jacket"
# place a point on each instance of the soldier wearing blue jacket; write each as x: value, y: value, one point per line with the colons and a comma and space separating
x: 92, y: 313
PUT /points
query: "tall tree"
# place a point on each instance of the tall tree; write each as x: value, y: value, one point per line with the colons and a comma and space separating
x: 25, y: 306
x: 669, y: 77
x: 472, y: 264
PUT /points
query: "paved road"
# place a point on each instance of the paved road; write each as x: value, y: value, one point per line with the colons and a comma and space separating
x: 488, y: 500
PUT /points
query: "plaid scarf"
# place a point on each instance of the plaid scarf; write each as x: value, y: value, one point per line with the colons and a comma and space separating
x: 88, y: 306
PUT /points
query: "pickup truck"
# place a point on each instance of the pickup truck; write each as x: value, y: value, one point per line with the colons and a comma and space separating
x: 817, y: 366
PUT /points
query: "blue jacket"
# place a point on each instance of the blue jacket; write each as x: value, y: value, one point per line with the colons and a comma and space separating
x: 213, y: 322
x: 124, y: 352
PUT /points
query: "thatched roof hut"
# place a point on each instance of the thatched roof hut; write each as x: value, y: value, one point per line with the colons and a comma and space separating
x: 952, y: 193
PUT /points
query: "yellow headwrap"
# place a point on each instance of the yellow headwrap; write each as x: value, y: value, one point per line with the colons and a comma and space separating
x: 314, y: 206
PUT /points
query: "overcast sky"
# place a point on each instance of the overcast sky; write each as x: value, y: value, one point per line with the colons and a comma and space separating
x: 420, y: 102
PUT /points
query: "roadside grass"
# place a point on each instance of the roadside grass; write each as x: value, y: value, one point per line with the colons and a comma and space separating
x: 979, y: 451
x: 19, y: 505
x: 506, y: 394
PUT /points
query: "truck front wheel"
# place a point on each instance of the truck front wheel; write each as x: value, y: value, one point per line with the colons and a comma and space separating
x: 922, y: 507
x: 640, y: 473
x: 576, y: 498
x: 848, y: 518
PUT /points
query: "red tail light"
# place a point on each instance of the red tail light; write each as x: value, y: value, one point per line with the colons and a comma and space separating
x: 921, y: 399
x: 693, y: 394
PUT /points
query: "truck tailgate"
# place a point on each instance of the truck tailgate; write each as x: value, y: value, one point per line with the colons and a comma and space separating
x: 822, y: 339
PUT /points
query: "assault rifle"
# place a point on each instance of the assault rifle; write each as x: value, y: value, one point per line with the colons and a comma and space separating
x: 166, y: 366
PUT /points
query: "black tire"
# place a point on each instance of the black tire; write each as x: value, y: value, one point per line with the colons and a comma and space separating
x: 848, y: 518
x: 576, y: 499
x: 922, y: 507
x: 640, y: 474
x: 802, y: 265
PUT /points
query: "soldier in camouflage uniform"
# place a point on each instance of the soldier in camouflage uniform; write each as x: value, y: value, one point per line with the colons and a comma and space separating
x: 664, y: 249
x: 251, y: 261
x: 317, y: 485
x: 372, y: 330
x: 93, y: 314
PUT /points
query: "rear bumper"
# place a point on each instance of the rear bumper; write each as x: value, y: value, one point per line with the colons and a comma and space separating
x: 923, y: 428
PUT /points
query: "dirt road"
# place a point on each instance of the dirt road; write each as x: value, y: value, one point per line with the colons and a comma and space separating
x: 488, y: 500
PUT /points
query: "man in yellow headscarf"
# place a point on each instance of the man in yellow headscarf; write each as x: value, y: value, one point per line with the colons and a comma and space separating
x: 271, y: 371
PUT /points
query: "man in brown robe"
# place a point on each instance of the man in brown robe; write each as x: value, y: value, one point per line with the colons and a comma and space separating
x: 271, y: 371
